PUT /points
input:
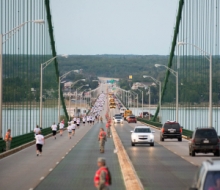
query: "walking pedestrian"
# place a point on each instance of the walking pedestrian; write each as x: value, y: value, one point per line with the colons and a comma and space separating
x: 78, y: 122
x: 54, y: 130
x: 101, y: 119
x: 73, y: 127
x: 39, y: 143
x: 102, y: 178
x: 61, y: 126
x: 84, y: 120
x: 8, y: 139
x: 36, y: 130
x: 108, y: 125
x: 69, y: 129
x: 102, y: 139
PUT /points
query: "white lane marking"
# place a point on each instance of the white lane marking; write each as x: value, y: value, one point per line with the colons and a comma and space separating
x: 57, y: 163
x: 31, y: 189
x: 50, y: 169
x: 41, y: 178
x: 66, y: 152
x: 63, y: 157
x: 192, y: 163
x: 182, y: 157
x: 69, y: 149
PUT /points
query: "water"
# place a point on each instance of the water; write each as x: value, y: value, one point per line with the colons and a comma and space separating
x: 22, y: 120
x: 188, y: 118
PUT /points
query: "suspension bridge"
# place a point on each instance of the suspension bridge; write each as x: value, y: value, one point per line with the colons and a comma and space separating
x: 32, y: 92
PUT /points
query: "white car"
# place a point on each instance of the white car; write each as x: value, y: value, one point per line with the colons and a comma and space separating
x: 208, y: 175
x: 118, y: 119
x: 142, y: 135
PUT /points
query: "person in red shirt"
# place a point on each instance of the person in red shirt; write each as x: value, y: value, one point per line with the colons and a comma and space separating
x: 8, y: 139
x: 102, y: 178
x: 108, y: 125
x: 102, y: 138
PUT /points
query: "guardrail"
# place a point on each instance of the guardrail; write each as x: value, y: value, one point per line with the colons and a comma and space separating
x: 22, y: 139
x: 186, y: 132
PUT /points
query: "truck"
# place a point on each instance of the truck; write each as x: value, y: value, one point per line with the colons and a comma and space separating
x: 127, y: 113
x: 112, y: 105
x: 122, y: 111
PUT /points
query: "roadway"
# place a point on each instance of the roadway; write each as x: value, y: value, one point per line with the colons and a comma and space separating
x: 77, y: 169
x: 157, y: 167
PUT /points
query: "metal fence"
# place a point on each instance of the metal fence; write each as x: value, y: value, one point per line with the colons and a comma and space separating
x: 23, y: 53
x: 194, y: 48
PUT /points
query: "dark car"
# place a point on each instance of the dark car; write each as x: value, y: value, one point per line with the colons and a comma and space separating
x: 131, y: 119
x: 204, y: 140
x: 171, y: 130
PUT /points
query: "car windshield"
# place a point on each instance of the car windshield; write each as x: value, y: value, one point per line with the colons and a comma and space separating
x: 212, y: 180
x: 142, y: 130
x: 172, y: 125
x: 205, y: 133
x: 118, y: 117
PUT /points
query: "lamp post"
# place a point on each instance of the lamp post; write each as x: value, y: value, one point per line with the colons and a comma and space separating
x: 7, y: 36
x: 137, y: 98
x: 159, y: 83
x: 76, y: 98
x: 142, y: 102
x: 149, y: 102
x: 60, y: 78
x: 209, y: 58
x: 76, y: 92
x: 42, y: 67
x: 175, y: 73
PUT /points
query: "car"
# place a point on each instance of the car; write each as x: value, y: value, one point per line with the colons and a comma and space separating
x: 119, y: 115
x: 118, y: 119
x: 204, y: 140
x: 207, y: 176
x: 131, y: 119
x: 171, y: 130
x: 142, y: 135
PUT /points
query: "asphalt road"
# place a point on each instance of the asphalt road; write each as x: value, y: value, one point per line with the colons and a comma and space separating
x: 157, y: 167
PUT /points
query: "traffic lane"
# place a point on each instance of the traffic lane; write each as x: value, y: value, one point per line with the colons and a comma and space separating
x: 157, y: 167
x: 179, y: 148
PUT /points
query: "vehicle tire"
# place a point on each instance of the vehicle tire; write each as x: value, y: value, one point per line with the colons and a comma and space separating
x: 132, y: 144
x: 193, y: 153
x: 161, y: 139
x: 180, y: 139
x: 152, y: 144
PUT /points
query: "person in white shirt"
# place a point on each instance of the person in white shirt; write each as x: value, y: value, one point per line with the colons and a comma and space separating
x: 39, y: 143
x: 84, y: 120
x: 78, y: 122
x: 74, y: 119
x: 36, y: 130
x: 87, y: 119
x: 73, y: 127
x: 69, y: 129
x: 61, y: 126
x: 54, y: 130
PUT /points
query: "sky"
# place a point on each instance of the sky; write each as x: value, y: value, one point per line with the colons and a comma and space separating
x: 90, y: 27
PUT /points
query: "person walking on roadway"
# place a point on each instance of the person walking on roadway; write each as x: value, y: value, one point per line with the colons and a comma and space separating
x: 8, y: 139
x: 102, y: 138
x: 36, y: 130
x: 73, y: 127
x: 54, y: 130
x: 69, y: 129
x: 108, y: 125
x: 39, y: 143
x: 61, y: 126
x: 102, y: 178
x: 101, y: 119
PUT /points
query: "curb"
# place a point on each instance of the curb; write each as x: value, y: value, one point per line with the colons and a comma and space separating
x: 19, y: 148
x: 131, y: 179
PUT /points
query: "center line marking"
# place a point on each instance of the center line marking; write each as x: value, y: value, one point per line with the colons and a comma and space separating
x: 50, y: 169
x: 41, y: 178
